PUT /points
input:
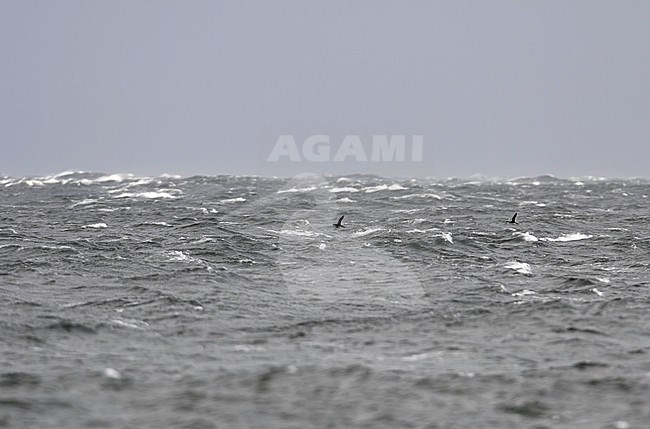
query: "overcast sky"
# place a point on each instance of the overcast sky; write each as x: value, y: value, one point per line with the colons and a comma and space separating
x: 499, y: 88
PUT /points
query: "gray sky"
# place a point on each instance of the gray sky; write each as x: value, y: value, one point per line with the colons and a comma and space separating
x: 500, y: 88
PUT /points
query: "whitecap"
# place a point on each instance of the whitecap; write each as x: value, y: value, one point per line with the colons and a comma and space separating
x: 393, y: 187
x: 406, y: 210
x: 365, y: 232
x: 416, y: 357
x: 67, y: 173
x: 447, y: 237
x: 568, y: 237
x: 144, y: 181
x: 96, y: 225
x: 396, y: 187
x: 520, y: 267
x: 416, y: 221
x: 147, y: 195
x: 234, y: 200
x: 292, y: 190
x: 533, y: 203
x: 421, y: 231
x: 371, y: 189
x: 300, y: 222
x: 298, y: 233
x: 345, y: 200
x: 84, y: 202
x: 346, y: 189
x: 153, y: 195
x: 177, y: 255
x: 523, y: 293
x: 112, y: 373
x: 409, y: 196
x: 112, y: 178
x: 130, y: 323
x: 526, y: 236
x: 247, y: 348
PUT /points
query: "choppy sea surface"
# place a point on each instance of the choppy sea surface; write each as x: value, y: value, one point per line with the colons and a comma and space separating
x: 233, y: 302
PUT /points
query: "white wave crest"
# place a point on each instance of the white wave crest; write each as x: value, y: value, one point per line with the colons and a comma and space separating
x: 447, y: 237
x: 298, y: 233
x: 234, y: 200
x: 365, y: 232
x: 96, y: 225
x: 421, y: 231
x: 520, y: 267
x: 346, y: 189
x: 409, y: 196
x: 112, y: 178
x: 85, y: 202
x: 526, y: 236
x: 568, y: 237
x: 292, y: 190
x: 393, y: 187
x: 165, y: 193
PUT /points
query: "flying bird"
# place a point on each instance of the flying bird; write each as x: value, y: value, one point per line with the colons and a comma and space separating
x: 339, y: 224
x: 513, y: 219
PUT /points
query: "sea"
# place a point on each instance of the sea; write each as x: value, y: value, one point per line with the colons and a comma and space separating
x: 234, y: 302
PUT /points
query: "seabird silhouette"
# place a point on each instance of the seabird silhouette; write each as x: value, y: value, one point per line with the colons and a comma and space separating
x: 339, y: 224
x: 513, y: 219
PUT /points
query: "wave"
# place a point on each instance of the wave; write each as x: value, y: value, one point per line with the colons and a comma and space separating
x: 526, y: 236
x: 165, y: 194
x: 298, y: 233
x: 370, y: 181
x: 96, y: 225
x: 519, y: 267
x: 426, y: 195
x: 345, y: 189
x: 234, y: 200
x: 295, y: 190
x: 366, y: 232
x: 568, y: 237
x: 383, y: 187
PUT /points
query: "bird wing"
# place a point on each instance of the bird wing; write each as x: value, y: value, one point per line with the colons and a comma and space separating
x: 514, y: 217
x: 341, y: 219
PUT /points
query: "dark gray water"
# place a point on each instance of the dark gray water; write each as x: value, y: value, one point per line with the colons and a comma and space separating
x: 232, y: 302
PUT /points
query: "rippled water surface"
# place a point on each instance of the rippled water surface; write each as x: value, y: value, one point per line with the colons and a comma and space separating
x: 233, y: 302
